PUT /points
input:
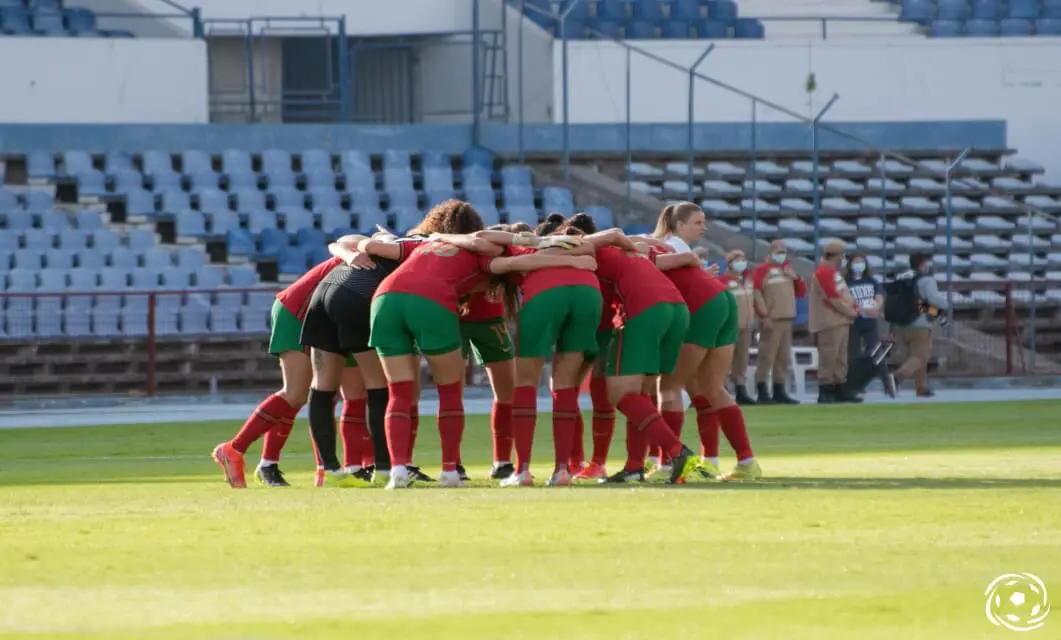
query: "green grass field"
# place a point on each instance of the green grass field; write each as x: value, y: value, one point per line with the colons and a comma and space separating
x: 876, y: 522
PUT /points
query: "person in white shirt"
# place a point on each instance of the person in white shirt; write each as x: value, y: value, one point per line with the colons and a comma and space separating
x: 680, y: 226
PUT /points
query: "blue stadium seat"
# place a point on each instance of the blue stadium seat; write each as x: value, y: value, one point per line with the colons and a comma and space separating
x: 236, y: 161
x: 220, y: 222
x: 52, y: 280
x: 144, y: 278
x: 334, y: 220
x: 480, y: 197
x: 5, y: 265
x: 475, y: 176
x: 204, y: 179
x: 91, y: 183
x: 259, y: 221
x: 310, y: 237
x: 84, y: 280
x: 952, y: 10
x: 38, y: 239
x: 489, y: 214
x: 652, y: 11
x: 602, y: 216
x: 18, y: 220
x: 38, y: 200
x: 124, y: 258
x: 919, y: 11
x: 209, y: 276
x: 293, y: 260
x: 1051, y: 9
x: 8, y: 200
x: 286, y: 197
x: 317, y: 159
x: 133, y: 323
x: 1022, y: 9
x: 241, y: 180
x: 116, y: 161
x: 278, y: 161
x: 89, y: 259
x: 140, y: 203
x: 239, y: 242
x: 517, y: 195
x: 113, y: 279
x: 675, y: 29
x: 1015, y: 27
x: 157, y: 162
x: 174, y: 201
x: 126, y: 180
x: 616, y: 10
x: 749, y: 29
x: 189, y: 257
x: 364, y: 199
x: 194, y: 161
x: 981, y: 28
x: 58, y: 259
x: 693, y: 10
x: 88, y: 220
x: 397, y: 160
x: 242, y: 276
x: 9, y: 240
x: 607, y: 29
x: 72, y: 239
x: 526, y: 214
x: 638, y: 30
x: 157, y: 258
x: 352, y: 158
x: 438, y: 179
x: 558, y: 199
x: 190, y: 224
x: 213, y: 200
x: 77, y: 323
x: 104, y: 240
x: 478, y: 157
x: 324, y: 198
x: 271, y: 242
x: 253, y: 320
x: 56, y: 221
x: 404, y: 198
x: 722, y: 11
x: 277, y: 179
x: 141, y: 239
x: 1048, y: 27
x: 15, y: 21
x: 48, y: 23
x: 368, y: 218
x: 248, y: 200
x: 28, y: 259
x: 295, y: 218
x: 397, y: 180
x: 986, y: 10
x: 435, y: 160
x: 222, y: 319
x: 321, y: 178
x: 712, y: 30
x: 105, y: 322
x: 76, y: 162
x: 405, y: 219
x: 165, y: 180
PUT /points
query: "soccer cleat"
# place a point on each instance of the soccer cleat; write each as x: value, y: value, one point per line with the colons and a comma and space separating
x: 682, y: 465
x: 231, y: 462
x: 343, y: 480
x: 270, y: 476
x: 399, y: 478
x: 417, y: 475
x: 744, y: 471
x: 891, y: 388
x: 524, y: 479
x: 593, y: 471
x: 318, y: 477
x: 561, y: 478
x: 364, y: 475
x: 463, y: 474
x: 708, y: 470
x: 450, y: 479
x: 625, y: 477
x: 502, y: 470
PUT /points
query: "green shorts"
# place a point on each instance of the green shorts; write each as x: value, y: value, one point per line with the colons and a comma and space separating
x: 564, y: 318
x: 404, y: 323
x: 286, y: 332
x: 649, y: 343
x: 488, y: 340
x: 604, y: 340
x: 715, y: 324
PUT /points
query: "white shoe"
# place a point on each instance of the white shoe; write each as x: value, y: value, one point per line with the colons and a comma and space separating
x: 399, y: 478
x: 450, y: 479
x: 523, y: 479
x: 560, y: 479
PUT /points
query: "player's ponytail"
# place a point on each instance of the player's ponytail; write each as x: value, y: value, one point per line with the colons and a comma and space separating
x: 583, y: 222
x: 551, y: 224
x: 665, y: 223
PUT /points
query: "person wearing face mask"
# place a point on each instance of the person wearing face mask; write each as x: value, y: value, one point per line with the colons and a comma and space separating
x: 777, y: 285
x: 740, y: 285
x: 865, y: 331
x: 832, y: 312
x: 913, y: 306
x: 680, y: 226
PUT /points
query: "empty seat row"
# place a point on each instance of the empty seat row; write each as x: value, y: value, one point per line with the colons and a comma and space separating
x: 73, y: 239
x: 1009, y: 27
x: 925, y: 11
x: 87, y: 258
x: 743, y: 28
x: 104, y: 322
x: 115, y: 278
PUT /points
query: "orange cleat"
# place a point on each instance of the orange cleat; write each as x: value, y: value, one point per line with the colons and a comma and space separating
x: 592, y: 472
x: 318, y: 477
x: 231, y: 462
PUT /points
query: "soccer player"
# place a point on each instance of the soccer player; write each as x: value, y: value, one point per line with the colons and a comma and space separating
x: 680, y: 225
x: 275, y: 416
x: 650, y: 322
x: 416, y: 307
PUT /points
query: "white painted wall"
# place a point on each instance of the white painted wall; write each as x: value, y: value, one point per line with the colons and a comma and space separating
x: 97, y: 80
x: 1015, y: 79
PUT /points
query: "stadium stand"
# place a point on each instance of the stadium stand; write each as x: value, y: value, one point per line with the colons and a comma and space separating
x: 648, y: 19
x: 51, y: 18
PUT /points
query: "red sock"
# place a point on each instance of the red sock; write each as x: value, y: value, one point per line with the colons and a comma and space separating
x: 644, y: 418
x: 451, y: 423
x: 272, y: 412
x: 674, y: 420
x: 707, y: 425
x: 524, y: 417
x: 501, y: 428
x: 397, y: 421
x: 354, y: 431
x: 414, y: 427
x: 565, y: 413
x: 578, y: 444
x: 656, y: 451
x: 603, y: 419
x: 732, y: 419
x: 274, y: 441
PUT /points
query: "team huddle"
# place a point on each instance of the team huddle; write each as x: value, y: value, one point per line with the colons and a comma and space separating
x: 643, y: 321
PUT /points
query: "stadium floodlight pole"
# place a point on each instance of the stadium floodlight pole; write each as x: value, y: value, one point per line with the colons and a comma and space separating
x: 814, y: 168
x: 692, y: 115
x: 755, y: 179
x: 882, y: 165
x: 567, y: 103
x: 950, y: 231
x: 476, y: 80
x: 1032, y: 310
x: 629, y: 142
x: 519, y: 87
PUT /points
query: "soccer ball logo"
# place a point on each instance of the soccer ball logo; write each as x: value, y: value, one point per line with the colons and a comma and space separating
x: 1017, y: 601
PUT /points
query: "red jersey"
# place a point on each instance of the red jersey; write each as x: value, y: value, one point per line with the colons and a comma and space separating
x: 697, y: 286
x: 436, y: 271
x: 635, y: 282
x: 295, y: 297
x: 534, y: 282
x: 481, y: 307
